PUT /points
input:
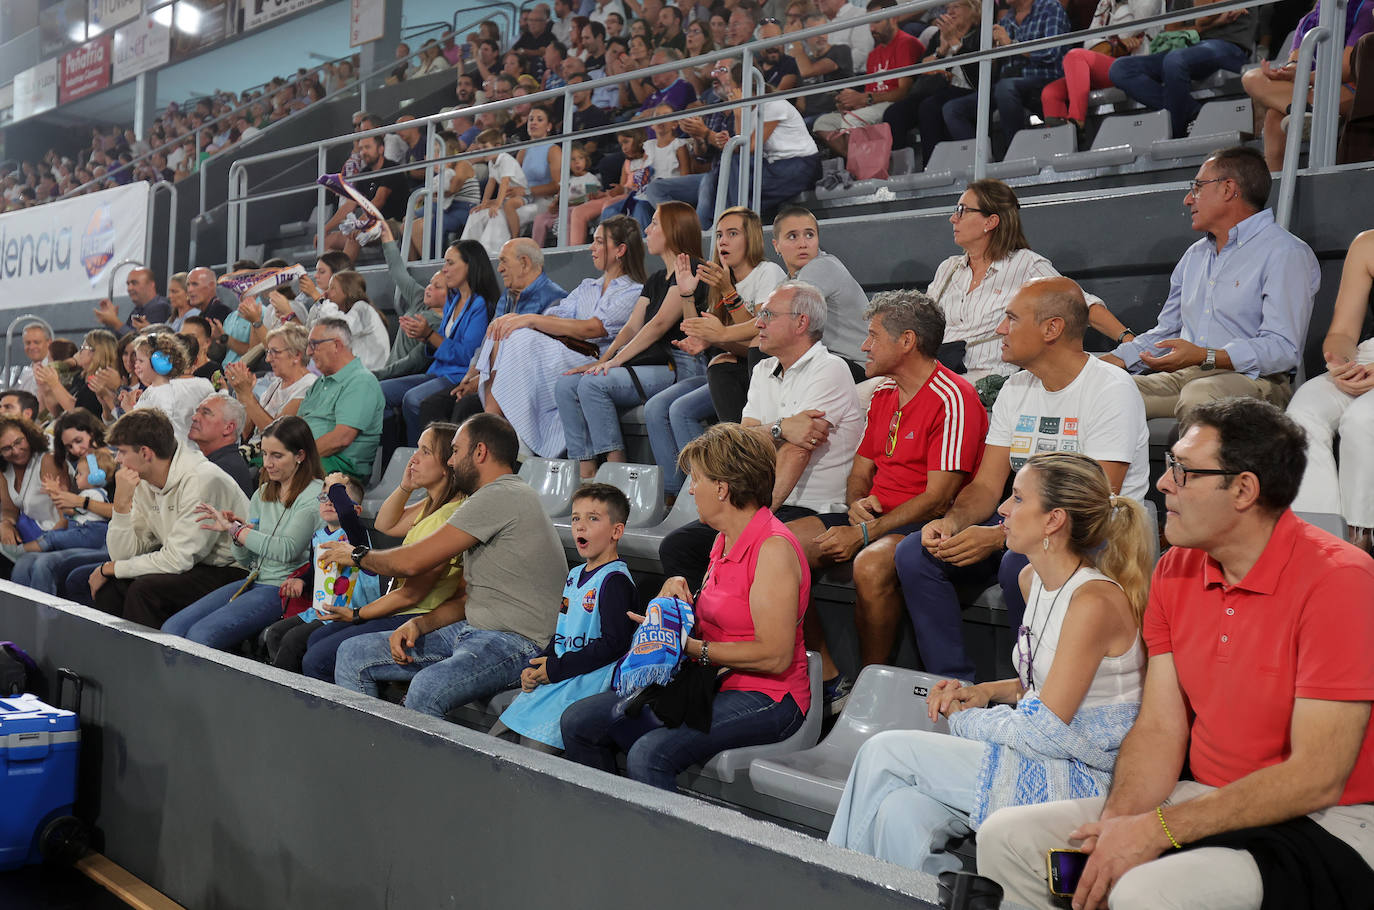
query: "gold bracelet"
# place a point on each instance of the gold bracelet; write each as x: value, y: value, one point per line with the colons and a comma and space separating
x: 1159, y: 813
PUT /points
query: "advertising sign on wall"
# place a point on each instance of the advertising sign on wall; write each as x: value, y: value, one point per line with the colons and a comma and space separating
x: 35, y: 89
x: 366, y: 21
x: 106, y: 14
x: 139, y: 47
x: 260, y: 12
x: 62, y: 252
x: 83, y: 70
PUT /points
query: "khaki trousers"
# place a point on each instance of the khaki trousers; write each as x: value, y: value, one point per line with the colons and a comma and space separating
x: 1175, y: 394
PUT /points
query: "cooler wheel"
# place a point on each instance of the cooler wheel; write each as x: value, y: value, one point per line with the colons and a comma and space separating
x: 64, y: 840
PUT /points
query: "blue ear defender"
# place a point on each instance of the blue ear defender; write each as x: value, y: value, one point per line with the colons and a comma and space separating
x: 161, y: 363
x: 96, y: 474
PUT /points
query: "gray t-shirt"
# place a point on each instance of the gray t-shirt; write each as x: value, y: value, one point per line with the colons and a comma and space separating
x: 515, y: 574
x: 845, y: 302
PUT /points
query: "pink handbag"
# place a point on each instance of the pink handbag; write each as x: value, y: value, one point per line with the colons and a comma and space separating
x: 870, y: 150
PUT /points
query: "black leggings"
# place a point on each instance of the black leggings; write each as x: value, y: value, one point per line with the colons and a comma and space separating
x: 286, y: 641
x: 729, y: 383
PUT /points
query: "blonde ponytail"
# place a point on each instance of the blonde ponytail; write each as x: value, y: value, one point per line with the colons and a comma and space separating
x: 1127, y: 556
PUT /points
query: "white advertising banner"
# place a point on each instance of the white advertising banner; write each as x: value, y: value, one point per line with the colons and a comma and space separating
x: 62, y: 252
x: 139, y: 47
x: 260, y: 12
x: 35, y: 89
x: 366, y: 21
x: 106, y: 14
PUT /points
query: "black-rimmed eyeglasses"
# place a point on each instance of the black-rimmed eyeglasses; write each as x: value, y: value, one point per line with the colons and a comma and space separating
x: 961, y: 210
x: 1180, y: 473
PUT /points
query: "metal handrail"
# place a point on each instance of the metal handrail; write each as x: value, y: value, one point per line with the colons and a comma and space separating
x: 982, y: 57
x: 1293, y: 141
x: 115, y: 270
x: 496, y: 10
x: 171, y: 190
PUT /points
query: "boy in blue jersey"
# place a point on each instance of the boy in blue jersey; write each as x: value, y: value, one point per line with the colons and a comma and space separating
x: 594, y: 627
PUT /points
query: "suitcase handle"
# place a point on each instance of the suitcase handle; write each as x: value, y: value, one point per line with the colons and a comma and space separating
x: 63, y: 675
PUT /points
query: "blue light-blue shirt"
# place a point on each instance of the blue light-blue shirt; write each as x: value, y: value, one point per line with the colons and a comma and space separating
x: 541, y: 294
x: 1252, y: 300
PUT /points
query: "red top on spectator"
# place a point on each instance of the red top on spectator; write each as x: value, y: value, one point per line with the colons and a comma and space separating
x: 902, y: 50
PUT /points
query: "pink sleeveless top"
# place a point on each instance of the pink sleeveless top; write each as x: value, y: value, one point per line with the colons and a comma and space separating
x: 722, y: 608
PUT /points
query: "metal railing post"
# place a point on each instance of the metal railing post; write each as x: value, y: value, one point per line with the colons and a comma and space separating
x: 565, y: 171
x: 1283, y: 212
x: 321, y: 198
x: 1326, y: 97
x: 231, y: 214
x: 747, y: 116
x: 982, y: 148
x: 757, y: 195
x: 723, y: 186
x: 427, y: 229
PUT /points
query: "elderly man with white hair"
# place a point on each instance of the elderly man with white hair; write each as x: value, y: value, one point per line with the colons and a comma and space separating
x: 216, y: 425
x: 344, y: 406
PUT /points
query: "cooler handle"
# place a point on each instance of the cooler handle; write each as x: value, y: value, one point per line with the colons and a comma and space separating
x: 63, y: 675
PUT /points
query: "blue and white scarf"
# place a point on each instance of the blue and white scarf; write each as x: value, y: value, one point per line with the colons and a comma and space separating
x: 656, y: 648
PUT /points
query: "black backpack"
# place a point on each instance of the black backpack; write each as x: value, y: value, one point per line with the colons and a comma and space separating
x: 17, y: 669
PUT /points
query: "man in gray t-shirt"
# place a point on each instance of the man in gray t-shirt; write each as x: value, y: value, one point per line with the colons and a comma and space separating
x: 476, y: 644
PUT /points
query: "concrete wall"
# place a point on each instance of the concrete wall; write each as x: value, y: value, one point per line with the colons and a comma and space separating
x: 228, y: 784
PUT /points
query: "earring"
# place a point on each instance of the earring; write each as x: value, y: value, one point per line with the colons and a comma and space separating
x: 1045, y: 543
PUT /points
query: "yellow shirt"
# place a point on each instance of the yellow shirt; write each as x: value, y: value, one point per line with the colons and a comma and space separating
x: 448, y: 582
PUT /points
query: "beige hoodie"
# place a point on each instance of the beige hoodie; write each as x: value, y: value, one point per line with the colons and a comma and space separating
x: 161, y: 535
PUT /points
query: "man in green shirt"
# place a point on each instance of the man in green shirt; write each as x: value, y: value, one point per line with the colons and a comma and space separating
x: 344, y: 406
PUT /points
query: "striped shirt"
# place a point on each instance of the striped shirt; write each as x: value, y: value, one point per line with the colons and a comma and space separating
x: 941, y: 428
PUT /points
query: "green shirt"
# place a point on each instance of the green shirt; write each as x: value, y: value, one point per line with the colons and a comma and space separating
x: 352, y: 397
x: 279, y: 541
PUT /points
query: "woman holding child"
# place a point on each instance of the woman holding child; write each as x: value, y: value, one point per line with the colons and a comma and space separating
x: 748, y: 622
x: 272, y: 541
x: 1057, y: 725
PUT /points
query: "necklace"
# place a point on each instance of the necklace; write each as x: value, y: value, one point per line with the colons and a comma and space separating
x: 1026, y: 652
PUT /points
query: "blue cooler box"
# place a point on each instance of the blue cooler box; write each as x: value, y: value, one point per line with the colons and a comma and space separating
x: 38, y: 754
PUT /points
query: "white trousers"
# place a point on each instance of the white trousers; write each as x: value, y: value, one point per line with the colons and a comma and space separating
x: 1324, y: 411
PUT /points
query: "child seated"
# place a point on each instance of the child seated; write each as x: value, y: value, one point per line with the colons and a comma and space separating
x: 506, y: 181
x: 594, y: 627
x: 77, y: 527
x: 581, y: 185
x: 333, y: 587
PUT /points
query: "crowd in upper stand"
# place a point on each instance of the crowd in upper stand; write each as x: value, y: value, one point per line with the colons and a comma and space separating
x: 565, y: 44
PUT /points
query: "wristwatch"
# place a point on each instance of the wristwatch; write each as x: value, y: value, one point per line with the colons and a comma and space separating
x: 704, y: 658
x: 776, y: 430
x: 1210, y: 363
x: 357, y: 614
x: 359, y: 552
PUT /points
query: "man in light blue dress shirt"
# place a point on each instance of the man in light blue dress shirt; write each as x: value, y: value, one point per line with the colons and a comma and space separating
x: 1239, y: 303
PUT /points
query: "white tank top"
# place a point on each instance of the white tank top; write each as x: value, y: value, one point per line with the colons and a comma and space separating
x: 1118, y: 679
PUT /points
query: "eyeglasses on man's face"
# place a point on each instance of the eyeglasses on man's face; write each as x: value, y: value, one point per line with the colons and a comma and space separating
x: 314, y: 343
x: 1180, y: 473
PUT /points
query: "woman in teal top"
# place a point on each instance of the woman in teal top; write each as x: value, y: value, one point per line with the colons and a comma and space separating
x: 273, y: 541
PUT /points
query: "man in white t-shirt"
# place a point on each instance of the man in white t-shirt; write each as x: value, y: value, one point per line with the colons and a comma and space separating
x: 1062, y: 400
x: 858, y: 39
x: 802, y: 398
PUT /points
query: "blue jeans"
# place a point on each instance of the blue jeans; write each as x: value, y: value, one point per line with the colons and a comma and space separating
x: 87, y: 536
x: 674, y: 418
x: 589, y: 406
x: 783, y: 180
x: 1011, y: 98
x: 449, y: 667
x: 77, y: 587
x: 1165, y: 81
x: 933, y: 603
x: 408, y: 393
x: 594, y: 730
x: 217, y: 622
x: 692, y: 189
x: 908, y: 794
x: 322, y: 649
x: 455, y: 217
x: 47, y: 572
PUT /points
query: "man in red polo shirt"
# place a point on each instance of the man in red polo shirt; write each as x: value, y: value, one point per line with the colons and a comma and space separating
x: 923, y: 441
x: 892, y: 49
x: 1260, y: 629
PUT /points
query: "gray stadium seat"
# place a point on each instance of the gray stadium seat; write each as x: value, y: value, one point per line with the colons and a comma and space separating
x: 1120, y: 140
x: 555, y: 480
x: 1031, y: 151
x: 883, y: 698
x: 731, y: 763
x: 950, y: 162
x: 391, y: 479
x: 903, y: 162
x: 1220, y: 124
x: 644, y: 542
x: 643, y: 484
x: 1327, y: 521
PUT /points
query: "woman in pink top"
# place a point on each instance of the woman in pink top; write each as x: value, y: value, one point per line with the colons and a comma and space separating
x: 748, y: 616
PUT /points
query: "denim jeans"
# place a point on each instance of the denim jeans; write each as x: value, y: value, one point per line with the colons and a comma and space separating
x: 217, y: 622
x: 590, y: 406
x: 1165, y: 81
x: 449, y: 667
x: 89, y: 535
x: 691, y: 189
x: 410, y: 392
x: 594, y: 730
x: 322, y: 648
x: 1012, y: 97
x: 909, y: 792
x: 47, y: 572
x: 674, y: 418
x: 783, y: 180
x: 77, y: 586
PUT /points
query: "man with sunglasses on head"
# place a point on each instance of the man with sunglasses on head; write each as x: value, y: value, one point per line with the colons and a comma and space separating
x: 1239, y: 302
x: 1259, y: 628
x: 344, y: 406
x: 1063, y: 400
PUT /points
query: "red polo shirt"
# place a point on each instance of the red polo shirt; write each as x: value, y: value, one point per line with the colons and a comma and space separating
x: 1299, y: 625
x: 902, y: 50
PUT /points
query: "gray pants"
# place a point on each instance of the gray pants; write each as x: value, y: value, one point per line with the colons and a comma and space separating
x: 1012, y: 844
x: 1175, y: 394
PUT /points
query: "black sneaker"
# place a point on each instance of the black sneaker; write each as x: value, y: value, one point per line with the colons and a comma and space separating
x: 834, y: 693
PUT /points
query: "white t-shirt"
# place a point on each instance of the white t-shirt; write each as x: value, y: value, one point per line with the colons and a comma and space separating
x: 278, y: 395
x: 601, y: 12
x: 663, y: 159
x: 858, y: 38
x: 761, y: 282
x: 177, y: 399
x: 790, y: 138
x: 820, y: 380
x: 504, y: 165
x: 1100, y: 414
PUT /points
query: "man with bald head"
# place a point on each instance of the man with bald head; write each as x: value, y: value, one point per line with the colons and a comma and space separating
x: 1063, y: 400
x: 149, y: 305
